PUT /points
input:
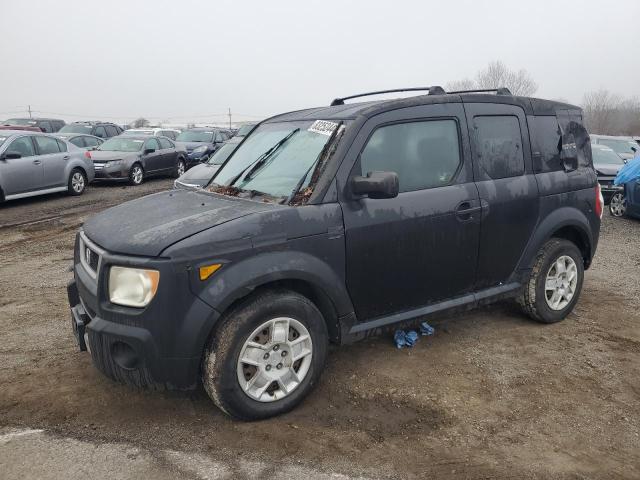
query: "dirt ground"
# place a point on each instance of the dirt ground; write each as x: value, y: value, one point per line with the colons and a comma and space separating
x: 490, y: 395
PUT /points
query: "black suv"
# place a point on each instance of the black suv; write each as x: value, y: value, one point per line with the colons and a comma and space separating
x: 332, y: 224
x: 97, y: 129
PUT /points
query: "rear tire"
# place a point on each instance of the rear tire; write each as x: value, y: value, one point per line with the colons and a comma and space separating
x: 283, y: 338
x: 181, y: 167
x: 618, y: 205
x: 555, y: 282
x: 136, y: 174
x: 77, y: 182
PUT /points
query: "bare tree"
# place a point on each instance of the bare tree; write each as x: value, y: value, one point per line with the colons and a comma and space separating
x: 601, y: 111
x: 140, y: 122
x: 497, y: 75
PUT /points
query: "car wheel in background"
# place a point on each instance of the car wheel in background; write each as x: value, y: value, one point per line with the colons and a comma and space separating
x: 77, y: 182
x: 555, y: 282
x: 266, y: 355
x: 136, y: 174
x: 618, y: 205
x: 180, y: 168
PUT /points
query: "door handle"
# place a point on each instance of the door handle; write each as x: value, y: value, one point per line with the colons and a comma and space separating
x: 37, y: 162
x: 465, y: 210
x: 66, y: 157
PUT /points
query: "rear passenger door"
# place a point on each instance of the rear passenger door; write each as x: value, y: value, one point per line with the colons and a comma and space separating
x: 507, y: 187
x: 24, y: 174
x: 153, y: 162
x: 421, y: 247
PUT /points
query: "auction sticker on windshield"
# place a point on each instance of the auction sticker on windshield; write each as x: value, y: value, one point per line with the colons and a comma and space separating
x: 323, y: 127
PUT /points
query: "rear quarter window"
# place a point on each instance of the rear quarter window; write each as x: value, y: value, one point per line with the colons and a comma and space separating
x: 545, y: 144
x: 499, y: 146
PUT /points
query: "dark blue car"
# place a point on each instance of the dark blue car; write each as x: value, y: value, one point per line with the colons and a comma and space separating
x: 200, y: 143
x: 627, y: 201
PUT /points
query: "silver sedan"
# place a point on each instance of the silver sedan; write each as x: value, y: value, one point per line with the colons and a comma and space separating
x: 36, y: 163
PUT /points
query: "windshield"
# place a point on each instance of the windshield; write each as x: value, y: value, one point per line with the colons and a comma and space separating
x: 75, y: 129
x: 20, y: 121
x: 606, y: 156
x: 120, y: 144
x: 195, y: 136
x: 276, y: 157
x: 222, y: 154
x: 2, y: 140
x: 619, y: 146
x: 244, y: 130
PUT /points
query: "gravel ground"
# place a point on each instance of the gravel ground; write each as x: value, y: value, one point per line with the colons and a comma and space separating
x: 490, y: 395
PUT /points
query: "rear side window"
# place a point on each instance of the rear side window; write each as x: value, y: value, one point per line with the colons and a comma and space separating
x: 23, y: 146
x: 423, y: 154
x: 100, y: 132
x: 499, y: 146
x: 47, y: 145
x: 91, y: 142
x: 545, y: 144
x: 61, y: 145
x: 78, y: 141
x: 46, y: 126
x: 111, y: 130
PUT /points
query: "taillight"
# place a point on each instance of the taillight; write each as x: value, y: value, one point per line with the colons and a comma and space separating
x: 599, y: 201
x: 87, y: 154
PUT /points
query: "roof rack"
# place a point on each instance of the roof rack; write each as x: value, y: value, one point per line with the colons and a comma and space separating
x: 435, y: 90
x: 498, y: 91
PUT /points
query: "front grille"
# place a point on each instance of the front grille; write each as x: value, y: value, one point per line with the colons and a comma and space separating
x: 90, y: 256
x: 98, y: 166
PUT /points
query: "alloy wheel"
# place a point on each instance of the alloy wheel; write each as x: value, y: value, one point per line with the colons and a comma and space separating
x: 77, y: 182
x: 136, y: 174
x: 561, y: 282
x: 275, y: 359
x: 181, y: 168
x: 618, y: 205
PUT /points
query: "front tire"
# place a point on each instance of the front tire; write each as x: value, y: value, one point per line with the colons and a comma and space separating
x: 555, y: 282
x: 618, y: 205
x: 266, y: 355
x: 136, y: 174
x: 77, y: 182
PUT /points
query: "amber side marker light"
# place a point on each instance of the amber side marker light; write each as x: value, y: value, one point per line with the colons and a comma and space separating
x: 208, y: 270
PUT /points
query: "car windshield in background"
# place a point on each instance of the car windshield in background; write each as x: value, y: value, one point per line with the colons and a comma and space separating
x: 119, y: 144
x: 75, y: 129
x: 244, y: 130
x: 606, y: 156
x: 2, y: 140
x: 619, y: 146
x: 276, y: 157
x: 20, y: 121
x: 222, y: 154
x: 195, y: 136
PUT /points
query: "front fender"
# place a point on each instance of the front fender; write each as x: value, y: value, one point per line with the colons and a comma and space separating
x: 236, y: 280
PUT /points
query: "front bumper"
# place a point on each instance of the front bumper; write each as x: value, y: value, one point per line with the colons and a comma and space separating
x: 195, y: 158
x: 159, y: 347
x: 118, y: 172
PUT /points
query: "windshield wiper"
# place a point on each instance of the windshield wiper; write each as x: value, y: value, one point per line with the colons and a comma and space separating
x: 253, y: 166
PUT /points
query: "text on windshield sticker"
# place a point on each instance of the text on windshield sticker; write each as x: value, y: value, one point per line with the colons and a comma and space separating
x: 323, y: 127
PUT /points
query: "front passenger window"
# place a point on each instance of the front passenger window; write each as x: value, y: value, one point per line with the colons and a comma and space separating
x: 424, y: 154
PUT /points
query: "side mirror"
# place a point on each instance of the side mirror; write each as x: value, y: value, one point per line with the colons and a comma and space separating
x: 377, y: 185
x: 147, y: 151
x: 10, y: 155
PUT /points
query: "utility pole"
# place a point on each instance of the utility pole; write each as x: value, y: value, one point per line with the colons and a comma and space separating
x: 229, y: 118
x: 29, y: 107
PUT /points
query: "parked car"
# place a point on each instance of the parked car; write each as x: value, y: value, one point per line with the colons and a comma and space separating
x: 607, y: 163
x: 35, y: 164
x: 200, y: 143
x: 626, y: 201
x: 245, y: 129
x: 201, y: 174
x: 331, y: 224
x: 134, y: 158
x: 170, y: 133
x: 625, y: 147
x: 85, y: 142
x: 26, y: 128
x: 47, y: 125
x: 96, y: 129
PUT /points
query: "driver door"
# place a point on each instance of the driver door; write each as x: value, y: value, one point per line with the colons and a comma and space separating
x: 153, y: 162
x: 420, y: 247
x: 24, y: 174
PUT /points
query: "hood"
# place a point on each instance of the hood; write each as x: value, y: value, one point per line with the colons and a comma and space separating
x: 191, y: 145
x: 199, y: 175
x: 148, y: 225
x: 105, y: 155
x: 607, y: 168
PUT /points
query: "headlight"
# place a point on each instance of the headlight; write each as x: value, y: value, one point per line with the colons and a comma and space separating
x: 200, y: 149
x: 132, y: 287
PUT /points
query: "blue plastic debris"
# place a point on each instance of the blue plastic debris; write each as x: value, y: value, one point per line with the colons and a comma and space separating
x: 405, y: 339
x: 426, y: 329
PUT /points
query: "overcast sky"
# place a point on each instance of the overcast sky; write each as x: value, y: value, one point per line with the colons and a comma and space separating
x: 190, y: 60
